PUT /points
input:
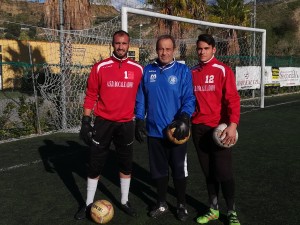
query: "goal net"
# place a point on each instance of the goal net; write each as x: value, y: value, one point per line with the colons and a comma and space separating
x: 65, y: 80
x: 242, y: 48
x: 56, y: 69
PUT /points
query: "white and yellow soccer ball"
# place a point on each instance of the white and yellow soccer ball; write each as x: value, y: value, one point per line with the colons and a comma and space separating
x: 102, y: 211
x: 171, y: 128
x: 218, y: 138
x: 170, y: 132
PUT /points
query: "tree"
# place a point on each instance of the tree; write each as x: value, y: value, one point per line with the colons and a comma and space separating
x: 77, y: 14
x: 12, y: 30
x: 233, y: 12
x: 193, y: 9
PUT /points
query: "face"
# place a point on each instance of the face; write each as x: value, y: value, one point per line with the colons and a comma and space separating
x: 121, y: 46
x: 165, y: 51
x: 205, y: 51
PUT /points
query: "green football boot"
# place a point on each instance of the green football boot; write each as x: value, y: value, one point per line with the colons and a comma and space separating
x: 212, y: 214
x: 233, y: 219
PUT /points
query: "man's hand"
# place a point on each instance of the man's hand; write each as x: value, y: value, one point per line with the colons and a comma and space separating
x: 86, y: 131
x: 230, y: 134
x: 140, y: 130
x: 182, y: 126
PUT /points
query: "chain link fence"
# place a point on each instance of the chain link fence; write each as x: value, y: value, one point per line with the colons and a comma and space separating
x: 38, y: 94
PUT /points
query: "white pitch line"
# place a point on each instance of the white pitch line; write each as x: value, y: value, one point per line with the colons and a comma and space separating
x: 34, y: 162
x: 269, y: 106
x: 284, y: 103
x: 38, y: 161
x: 19, y: 165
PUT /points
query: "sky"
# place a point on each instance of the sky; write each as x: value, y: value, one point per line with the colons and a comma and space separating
x: 129, y: 3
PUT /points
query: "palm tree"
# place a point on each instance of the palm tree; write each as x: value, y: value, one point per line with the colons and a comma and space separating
x: 193, y: 9
x: 233, y: 12
x: 76, y: 16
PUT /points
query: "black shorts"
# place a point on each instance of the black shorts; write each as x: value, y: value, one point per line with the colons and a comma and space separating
x: 215, y: 161
x: 121, y: 134
x: 162, y: 154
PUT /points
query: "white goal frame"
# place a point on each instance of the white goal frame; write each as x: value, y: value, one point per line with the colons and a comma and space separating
x: 124, y: 23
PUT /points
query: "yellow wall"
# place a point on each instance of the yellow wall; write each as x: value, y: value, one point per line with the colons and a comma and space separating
x: 14, y: 53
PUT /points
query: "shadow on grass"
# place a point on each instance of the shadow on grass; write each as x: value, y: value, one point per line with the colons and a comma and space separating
x: 65, y: 160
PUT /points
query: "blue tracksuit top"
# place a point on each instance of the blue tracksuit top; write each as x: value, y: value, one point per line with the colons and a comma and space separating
x: 164, y: 93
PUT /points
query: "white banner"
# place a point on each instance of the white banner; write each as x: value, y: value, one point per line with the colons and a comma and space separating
x: 289, y: 76
x: 268, y: 75
x: 248, y: 77
x: 272, y: 76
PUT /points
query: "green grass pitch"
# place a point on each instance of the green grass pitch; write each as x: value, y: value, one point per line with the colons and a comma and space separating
x: 43, y: 179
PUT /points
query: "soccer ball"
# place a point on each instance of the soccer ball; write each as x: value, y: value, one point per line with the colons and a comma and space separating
x: 174, y: 140
x: 218, y: 139
x: 102, y: 211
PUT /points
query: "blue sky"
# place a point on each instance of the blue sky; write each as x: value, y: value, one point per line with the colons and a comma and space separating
x: 129, y: 3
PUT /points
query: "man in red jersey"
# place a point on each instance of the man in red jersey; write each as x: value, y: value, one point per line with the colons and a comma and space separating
x: 111, y: 91
x: 217, y: 101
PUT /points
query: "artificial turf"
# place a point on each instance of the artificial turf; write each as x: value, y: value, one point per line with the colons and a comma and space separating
x: 43, y: 178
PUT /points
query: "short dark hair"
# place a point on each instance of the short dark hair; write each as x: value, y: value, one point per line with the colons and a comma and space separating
x: 121, y: 33
x: 207, y: 38
x: 163, y: 37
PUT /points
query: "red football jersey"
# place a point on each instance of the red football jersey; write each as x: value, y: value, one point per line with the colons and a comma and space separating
x: 112, y: 87
x: 216, y: 93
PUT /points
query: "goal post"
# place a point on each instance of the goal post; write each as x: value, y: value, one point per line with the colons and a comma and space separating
x: 245, y: 52
x: 59, y: 99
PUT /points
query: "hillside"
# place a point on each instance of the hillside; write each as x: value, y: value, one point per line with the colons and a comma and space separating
x: 26, y: 12
x: 281, y: 19
x: 32, y: 13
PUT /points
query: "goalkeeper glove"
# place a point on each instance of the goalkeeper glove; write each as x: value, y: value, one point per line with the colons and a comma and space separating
x: 140, y: 130
x: 86, y: 131
x: 182, y: 126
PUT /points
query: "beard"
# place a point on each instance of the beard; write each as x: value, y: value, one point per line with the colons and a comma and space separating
x: 120, y: 54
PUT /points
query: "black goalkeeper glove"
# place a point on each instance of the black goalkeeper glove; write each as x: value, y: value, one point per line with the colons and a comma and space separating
x: 182, y: 126
x: 140, y: 130
x: 86, y: 131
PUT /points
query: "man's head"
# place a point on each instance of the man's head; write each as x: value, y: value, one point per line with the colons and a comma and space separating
x: 120, y: 44
x: 165, y: 47
x: 205, y: 47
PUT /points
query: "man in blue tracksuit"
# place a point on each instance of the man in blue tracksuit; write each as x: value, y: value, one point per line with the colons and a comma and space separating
x: 166, y: 94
